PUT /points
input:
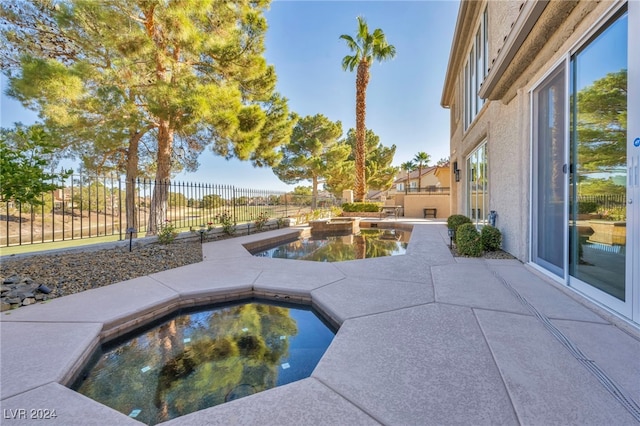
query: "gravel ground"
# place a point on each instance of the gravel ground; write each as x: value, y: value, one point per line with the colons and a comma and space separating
x: 72, y: 272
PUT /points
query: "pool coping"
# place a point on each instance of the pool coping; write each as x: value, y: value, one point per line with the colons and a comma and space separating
x: 379, y: 303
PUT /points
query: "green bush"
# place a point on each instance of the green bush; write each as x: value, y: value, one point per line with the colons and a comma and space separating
x: 454, y: 221
x: 360, y: 207
x: 585, y: 207
x: 167, y: 233
x: 491, y: 238
x: 468, y: 240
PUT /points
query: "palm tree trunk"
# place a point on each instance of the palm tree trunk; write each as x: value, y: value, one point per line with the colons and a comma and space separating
x: 362, y: 79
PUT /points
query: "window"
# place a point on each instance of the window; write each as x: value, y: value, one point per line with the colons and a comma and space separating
x: 475, y: 71
x: 477, y: 187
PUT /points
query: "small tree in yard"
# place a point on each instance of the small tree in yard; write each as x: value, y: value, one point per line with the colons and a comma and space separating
x: 23, y: 153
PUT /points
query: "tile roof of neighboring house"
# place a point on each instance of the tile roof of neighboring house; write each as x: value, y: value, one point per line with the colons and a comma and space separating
x: 414, y: 174
x: 375, y: 194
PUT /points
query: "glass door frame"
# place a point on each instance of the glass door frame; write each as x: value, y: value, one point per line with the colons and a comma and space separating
x: 633, y: 159
x: 622, y: 307
x: 630, y: 308
x: 560, y: 67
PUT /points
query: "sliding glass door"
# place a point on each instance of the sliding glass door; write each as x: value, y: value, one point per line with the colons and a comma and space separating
x: 585, y: 166
x: 549, y: 168
x: 598, y: 140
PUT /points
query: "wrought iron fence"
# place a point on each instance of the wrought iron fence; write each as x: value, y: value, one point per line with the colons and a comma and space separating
x: 95, y: 206
x: 604, y: 201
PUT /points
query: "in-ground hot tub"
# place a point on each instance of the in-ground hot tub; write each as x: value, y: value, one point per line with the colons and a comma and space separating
x: 327, y: 247
x: 196, y: 359
x: 335, y: 226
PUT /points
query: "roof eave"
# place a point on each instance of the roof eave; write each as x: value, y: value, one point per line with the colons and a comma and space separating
x: 523, y: 25
x: 461, y: 36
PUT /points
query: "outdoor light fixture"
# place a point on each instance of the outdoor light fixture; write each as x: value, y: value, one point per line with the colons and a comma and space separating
x: 452, y: 234
x: 456, y: 171
x: 131, y: 231
x: 202, y: 230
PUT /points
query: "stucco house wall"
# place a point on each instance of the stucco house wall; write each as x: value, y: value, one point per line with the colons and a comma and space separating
x: 504, y: 119
x: 415, y: 203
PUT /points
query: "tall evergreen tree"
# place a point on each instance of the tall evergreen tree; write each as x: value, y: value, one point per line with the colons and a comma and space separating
x: 192, y: 72
x: 314, y: 152
x: 378, y: 158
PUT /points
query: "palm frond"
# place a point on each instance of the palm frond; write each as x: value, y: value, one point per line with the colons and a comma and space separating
x: 350, y: 62
x: 363, y: 28
x: 384, y: 52
x: 351, y: 43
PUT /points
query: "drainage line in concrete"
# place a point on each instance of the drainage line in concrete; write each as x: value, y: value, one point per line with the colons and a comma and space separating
x: 618, y: 393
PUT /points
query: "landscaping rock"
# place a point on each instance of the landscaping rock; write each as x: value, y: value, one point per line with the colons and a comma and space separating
x: 25, y: 280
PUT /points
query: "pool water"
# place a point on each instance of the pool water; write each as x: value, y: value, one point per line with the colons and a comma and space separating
x: 366, y: 244
x: 201, y: 359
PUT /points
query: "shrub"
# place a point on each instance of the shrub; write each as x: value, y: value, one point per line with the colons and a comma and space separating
x: 491, y: 238
x: 261, y: 221
x: 585, y: 207
x: 361, y: 207
x: 226, y: 220
x: 167, y: 233
x: 468, y: 240
x: 454, y: 221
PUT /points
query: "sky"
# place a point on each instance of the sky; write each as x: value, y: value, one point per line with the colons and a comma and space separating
x: 302, y: 42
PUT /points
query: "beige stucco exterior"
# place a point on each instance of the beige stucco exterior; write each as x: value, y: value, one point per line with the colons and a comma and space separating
x: 504, y: 120
x: 434, y: 183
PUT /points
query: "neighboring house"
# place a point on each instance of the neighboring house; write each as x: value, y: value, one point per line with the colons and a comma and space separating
x: 540, y: 93
x: 432, y: 191
x: 432, y: 177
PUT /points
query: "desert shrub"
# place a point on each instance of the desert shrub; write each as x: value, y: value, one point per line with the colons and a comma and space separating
x: 361, y: 207
x: 336, y: 211
x: 261, y: 221
x: 226, y: 220
x: 454, y: 221
x: 491, y: 238
x: 167, y: 233
x: 468, y: 240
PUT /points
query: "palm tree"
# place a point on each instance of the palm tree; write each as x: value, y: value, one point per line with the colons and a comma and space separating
x: 422, y: 159
x: 366, y: 47
x: 407, y: 166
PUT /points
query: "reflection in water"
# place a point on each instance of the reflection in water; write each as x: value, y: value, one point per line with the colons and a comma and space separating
x: 366, y: 244
x: 198, y: 360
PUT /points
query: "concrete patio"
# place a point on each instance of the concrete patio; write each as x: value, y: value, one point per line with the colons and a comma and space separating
x: 424, y: 339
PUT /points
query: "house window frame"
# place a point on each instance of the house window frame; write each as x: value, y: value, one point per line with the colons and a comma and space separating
x: 477, y: 207
x: 475, y: 71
